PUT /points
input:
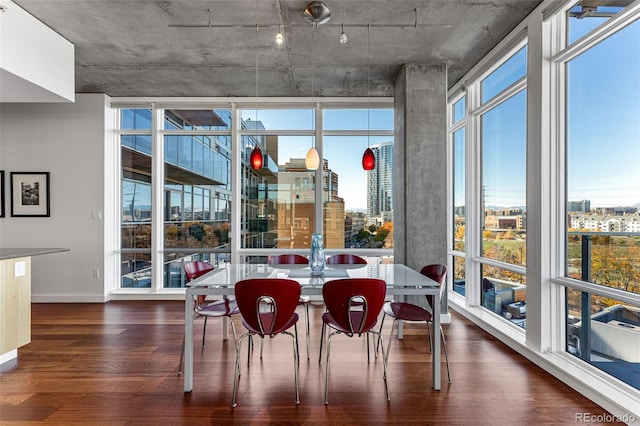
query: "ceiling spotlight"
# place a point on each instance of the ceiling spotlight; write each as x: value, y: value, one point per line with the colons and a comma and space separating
x: 343, y: 36
x: 279, y: 38
x: 317, y: 13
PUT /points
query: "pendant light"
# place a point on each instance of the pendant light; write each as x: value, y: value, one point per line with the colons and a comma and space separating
x: 256, y: 159
x: 368, y: 159
x: 312, y: 159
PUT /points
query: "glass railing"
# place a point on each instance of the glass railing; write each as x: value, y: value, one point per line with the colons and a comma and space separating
x: 611, y: 259
x: 605, y: 333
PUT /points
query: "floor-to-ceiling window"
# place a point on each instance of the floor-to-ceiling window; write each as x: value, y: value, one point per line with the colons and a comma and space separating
x: 358, y: 203
x: 135, y: 197
x: 457, y: 129
x: 278, y: 200
x: 275, y: 204
x: 500, y: 120
x: 602, y: 195
x: 575, y: 80
x: 197, y: 189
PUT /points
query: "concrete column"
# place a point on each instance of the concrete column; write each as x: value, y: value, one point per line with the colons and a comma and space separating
x: 420, y: 164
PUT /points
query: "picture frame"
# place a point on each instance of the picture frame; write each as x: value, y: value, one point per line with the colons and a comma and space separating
x: 30, y: 194
x: 1, y: 193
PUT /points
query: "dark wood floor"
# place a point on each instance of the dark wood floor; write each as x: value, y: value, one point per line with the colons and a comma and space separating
x: 116, y: 364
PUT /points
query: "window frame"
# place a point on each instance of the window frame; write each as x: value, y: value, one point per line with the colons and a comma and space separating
x: 235, y: 132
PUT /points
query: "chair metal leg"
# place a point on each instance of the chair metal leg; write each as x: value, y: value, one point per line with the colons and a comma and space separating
x: 181, y: 365
x: 446, y: 355
x: 295, y: 327
x: 380, y: 331
x: 306, y: 313
x: 261, y: 347
x: 368, y: 351
x: 321, y: 342
x: 390, y: 339
x: 236, y: 375
x: 204, y: 330
x: 296, y: 361
x: 326, y: 375
x: 384, y: 364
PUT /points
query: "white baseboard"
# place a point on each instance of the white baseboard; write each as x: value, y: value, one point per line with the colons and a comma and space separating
x: 8, y: 356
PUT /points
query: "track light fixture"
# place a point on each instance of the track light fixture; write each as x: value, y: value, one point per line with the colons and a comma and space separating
x: 343, y: 37
x: 317, y: 13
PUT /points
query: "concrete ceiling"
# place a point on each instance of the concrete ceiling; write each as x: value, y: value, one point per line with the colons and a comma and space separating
x: 145, y: 48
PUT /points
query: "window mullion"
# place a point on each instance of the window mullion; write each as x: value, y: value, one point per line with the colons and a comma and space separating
x: 157, y: 200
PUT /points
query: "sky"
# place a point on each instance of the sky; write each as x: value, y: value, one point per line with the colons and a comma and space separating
x: 604, y: 119
x: 603, y: 127
x: 343, y: 153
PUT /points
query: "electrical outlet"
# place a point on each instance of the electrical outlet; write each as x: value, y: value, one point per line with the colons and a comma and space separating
x: 96, y: 272
x: 20, y: 269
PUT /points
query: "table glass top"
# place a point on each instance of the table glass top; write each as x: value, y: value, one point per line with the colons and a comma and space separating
x: 395, y: 275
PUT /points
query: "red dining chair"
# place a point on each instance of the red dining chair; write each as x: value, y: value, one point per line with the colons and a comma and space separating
x: 218, y: 309
x: 296, y: 259
x: 342, y: 259
x: 353, y: 306
x: 346, y: 259
x: 401, y: 311
x: 268, y: 308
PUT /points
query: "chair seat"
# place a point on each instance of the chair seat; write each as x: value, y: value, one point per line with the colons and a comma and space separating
x: 406, y: 311
x: 267, y: 318
x: 304, y: 299
x: 219, y: 308
x: 356, y: 318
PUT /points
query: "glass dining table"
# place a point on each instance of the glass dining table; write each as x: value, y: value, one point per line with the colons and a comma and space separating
x: 401, y: 281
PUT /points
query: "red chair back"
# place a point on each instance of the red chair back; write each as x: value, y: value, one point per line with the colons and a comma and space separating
x: 284, y: 295
x: 194, y: 270
x: 436, y: 272
x: 346, y: 259
x: 369, y: 294
x: 288, y: 259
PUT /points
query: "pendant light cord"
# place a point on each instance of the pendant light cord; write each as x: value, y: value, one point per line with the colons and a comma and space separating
x: 313, y: 30
x: 313, y: 44
x: 257, y: 86
x: 368, y: 90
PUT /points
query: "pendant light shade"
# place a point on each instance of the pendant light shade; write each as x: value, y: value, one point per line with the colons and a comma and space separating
x: 256, y: 158
x: 368, y: 160
x: 312, y: 160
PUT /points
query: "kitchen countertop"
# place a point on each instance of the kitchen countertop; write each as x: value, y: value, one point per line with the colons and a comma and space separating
x: 12, y: 253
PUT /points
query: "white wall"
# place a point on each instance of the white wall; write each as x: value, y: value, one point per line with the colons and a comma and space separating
x: 67, y: 140
x: 36, y: 63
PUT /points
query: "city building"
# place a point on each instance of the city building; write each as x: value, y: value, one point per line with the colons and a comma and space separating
x: 380, y: 185
x: 579, y: 206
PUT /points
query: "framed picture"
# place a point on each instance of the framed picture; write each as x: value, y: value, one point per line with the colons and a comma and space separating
x: 1, y: 193
x: 30, y: 194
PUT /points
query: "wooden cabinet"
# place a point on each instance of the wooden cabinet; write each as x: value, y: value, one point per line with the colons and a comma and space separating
x: 15, y: 303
